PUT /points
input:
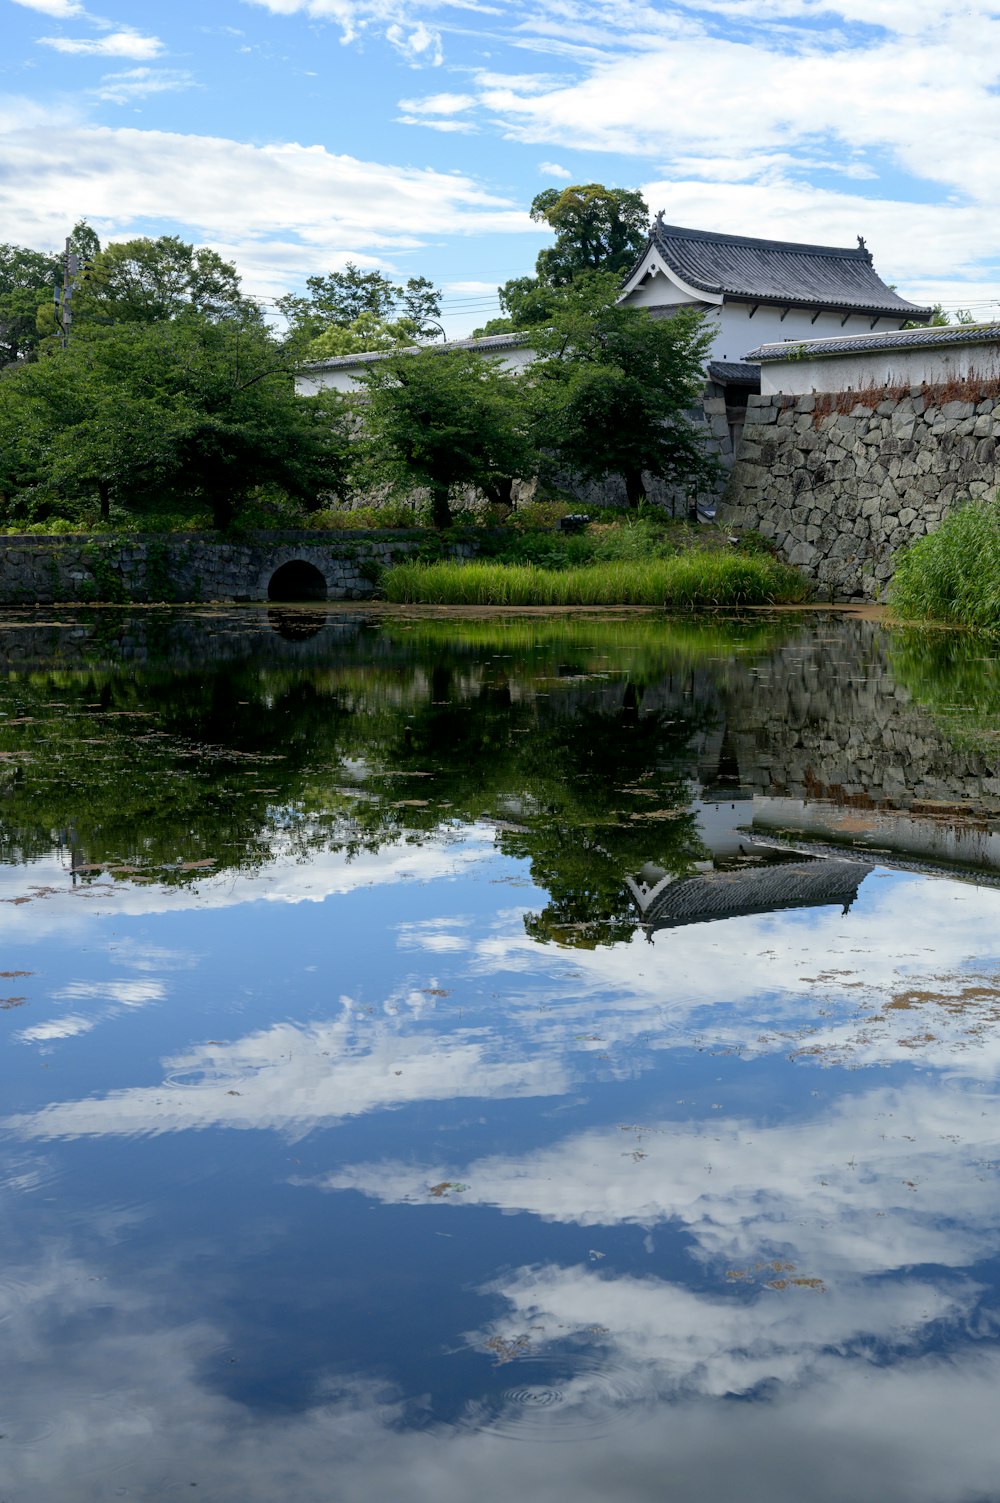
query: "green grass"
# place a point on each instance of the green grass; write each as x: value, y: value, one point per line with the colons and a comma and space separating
x: 689, y: 581
x: 953, y: 574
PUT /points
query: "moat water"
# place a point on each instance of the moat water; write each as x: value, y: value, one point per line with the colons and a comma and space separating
x: 449, y: 1060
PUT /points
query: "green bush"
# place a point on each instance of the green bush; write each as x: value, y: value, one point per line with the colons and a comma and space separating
x: 367, y: 518
x: 625, y: 540
x: 691, y: 581
x: 953, y: 574
x: 756, y: 542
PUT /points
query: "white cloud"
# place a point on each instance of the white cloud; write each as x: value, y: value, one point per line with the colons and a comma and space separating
x: 438, y: 104
x: 419, y: 44
x: 59, y: 10
x: 286, y: 880
x: 787, y: 103
x: 669, y: 1339
x: 121, y: 993
x: 143, y: 1394
x: 291, y: 1079
x: 553, y: 169
x: 113, y: 44
x: 449, y: 127
x: 750, y: 987
x: 139, y: 83
x: 282, y: 210
x: 70, y: 1026
x: 912, y: 243
x: 882, y: 1181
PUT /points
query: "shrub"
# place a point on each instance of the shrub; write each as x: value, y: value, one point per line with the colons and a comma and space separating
x: 953, y: 574
x: 756, y: 542
x: 367, y: 518
x: 533, y: 516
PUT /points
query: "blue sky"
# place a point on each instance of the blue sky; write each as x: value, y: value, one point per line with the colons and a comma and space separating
x: 294, y: 135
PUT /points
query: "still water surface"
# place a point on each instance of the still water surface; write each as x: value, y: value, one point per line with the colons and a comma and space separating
x: 508, y: 1058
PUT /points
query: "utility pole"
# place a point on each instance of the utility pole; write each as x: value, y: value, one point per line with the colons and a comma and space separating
x: 64, y: 294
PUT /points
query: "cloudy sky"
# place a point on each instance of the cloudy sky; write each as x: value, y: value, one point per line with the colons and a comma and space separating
x: 294, y: 135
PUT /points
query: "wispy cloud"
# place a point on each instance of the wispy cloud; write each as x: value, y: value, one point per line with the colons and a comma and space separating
x: 453, y: 127
x: 59, y: 10
x: 137, y: 83
x: 553, y: 169
x: 280, y: 210
x: 420, y: 45
x: 124, y: 43
x: 438, y: 104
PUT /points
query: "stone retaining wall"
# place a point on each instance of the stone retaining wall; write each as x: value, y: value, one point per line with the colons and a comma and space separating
x: 842, y: 482
x: 832, y: 719
x: 193, y: 566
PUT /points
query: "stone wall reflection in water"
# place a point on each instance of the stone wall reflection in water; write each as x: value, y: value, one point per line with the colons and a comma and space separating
x: 357, y: 1144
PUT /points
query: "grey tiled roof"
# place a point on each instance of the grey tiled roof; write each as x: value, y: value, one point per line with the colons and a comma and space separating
x: 857, y: 344
x: 763, y: 889
x: 779, y: 271
x: 488, y: 343
x: 735, y: 371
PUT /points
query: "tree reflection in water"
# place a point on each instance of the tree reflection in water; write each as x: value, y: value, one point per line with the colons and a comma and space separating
x: 580, y: 741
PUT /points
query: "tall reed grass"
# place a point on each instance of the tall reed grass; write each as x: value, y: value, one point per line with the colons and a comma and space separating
x: 689, y: 581
x: 953, y: 574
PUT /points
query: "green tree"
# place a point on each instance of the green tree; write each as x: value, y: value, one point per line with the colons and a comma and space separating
x: 443, y: 419
x: 340, y: 299
x: 419, y: 301
x: 597, y: 229
x: 613, y: 388
x: 146, y: 281
x: 27, y: 279
x: 368, y: 332
x: 940, y: 318
x: 526, y: 302
x: 190, y: 412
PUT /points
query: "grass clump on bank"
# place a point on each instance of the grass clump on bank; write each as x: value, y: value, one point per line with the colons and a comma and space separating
x: 953, y: 574
x: 689, y: 581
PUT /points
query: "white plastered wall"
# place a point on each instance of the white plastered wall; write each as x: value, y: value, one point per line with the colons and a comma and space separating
x: 923, y: 365
x: 347, y: 378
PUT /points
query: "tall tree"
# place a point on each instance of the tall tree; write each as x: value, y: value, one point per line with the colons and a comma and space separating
x: 27, y: 279
x: 145, y: 281
x: 443, y: 419
x: 340, y: 298
x: 613, y: 387
x: 597, y: 229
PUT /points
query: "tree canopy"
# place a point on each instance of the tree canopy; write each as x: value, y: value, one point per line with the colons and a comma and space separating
x: 27, y: 278
x: 368, y: 332
x: 145, y: 281
x: 189, y: 413
x: 444, y: 419
x: 613, y: 388
x: 28, y: 281
x: 597, y: 229
x: 343, y: 300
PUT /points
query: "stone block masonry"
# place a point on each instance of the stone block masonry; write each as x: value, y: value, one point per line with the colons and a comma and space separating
x: 842, y: 481
x: 189, y: 567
